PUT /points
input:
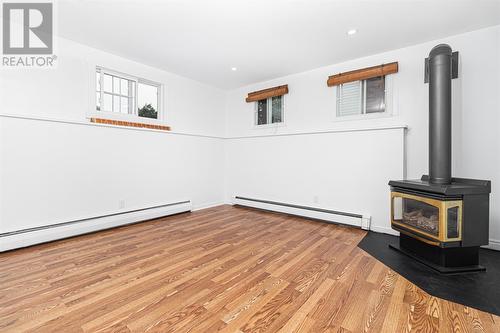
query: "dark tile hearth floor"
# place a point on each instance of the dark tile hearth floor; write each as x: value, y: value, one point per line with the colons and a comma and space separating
x: 480, y: 290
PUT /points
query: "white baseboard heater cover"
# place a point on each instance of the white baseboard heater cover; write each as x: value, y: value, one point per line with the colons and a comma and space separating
x: 358, y: 220
x: 26, y: 237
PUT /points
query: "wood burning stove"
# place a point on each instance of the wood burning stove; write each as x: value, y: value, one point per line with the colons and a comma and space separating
x: 442, y: 220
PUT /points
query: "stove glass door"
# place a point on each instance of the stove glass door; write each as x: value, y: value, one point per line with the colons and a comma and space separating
x: 416, y: 214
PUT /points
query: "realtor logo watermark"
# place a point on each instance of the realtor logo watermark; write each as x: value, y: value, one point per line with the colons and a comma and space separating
x: 27, y: 32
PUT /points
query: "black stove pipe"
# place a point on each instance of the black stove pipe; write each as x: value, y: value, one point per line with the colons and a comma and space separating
x: 440, y: 75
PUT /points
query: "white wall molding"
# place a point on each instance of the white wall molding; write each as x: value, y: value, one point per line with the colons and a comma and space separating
x: 208, y: 205
x: 88, y: 123
x: 384, y: 230
x: 494, y: 245
x: 323, y: 214
x: 337, y: 130
x: 37, y: 235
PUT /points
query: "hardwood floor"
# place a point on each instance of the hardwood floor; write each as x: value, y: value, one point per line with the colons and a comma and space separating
x: 222, y: 269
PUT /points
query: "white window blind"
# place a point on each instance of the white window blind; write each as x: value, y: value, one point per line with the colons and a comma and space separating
x: 361, y: 97
x: 349, y: 98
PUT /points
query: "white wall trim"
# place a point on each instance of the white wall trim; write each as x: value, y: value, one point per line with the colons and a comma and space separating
x: 88, y: 123
x: 22, y: 239
x: 405, y: 154
x: 494, y: 245
x: 206, y: 206
x: 338, y: 130
x: 293, y: 209
x: 384, y: 230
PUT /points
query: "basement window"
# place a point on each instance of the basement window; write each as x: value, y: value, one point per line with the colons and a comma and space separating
x: 269, y: 111
x: 123, y: 94
x: 361, y: 98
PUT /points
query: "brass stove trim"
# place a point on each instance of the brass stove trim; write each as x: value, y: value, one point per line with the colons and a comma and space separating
x: 443, y: 207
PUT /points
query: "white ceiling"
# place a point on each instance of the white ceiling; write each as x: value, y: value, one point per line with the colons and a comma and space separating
x: 203, y: 39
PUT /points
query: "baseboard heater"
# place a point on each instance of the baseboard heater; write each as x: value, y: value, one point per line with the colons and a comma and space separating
x: 354, y: 219
x: 36, y: 235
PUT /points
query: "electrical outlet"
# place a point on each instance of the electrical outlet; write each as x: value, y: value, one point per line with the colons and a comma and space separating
x: 121, y: 204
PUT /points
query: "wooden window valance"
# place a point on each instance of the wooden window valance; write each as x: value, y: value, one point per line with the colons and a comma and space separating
x: 266, y: 93
x: 362, y: 74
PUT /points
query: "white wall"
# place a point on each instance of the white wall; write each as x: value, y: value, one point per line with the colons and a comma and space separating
x: 310, y: 107
x: 318, y: 170
x: 58, y: 167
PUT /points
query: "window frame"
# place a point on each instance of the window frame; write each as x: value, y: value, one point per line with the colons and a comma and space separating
x: 134, y: 116
x: 269, y: 114
x: 388, y: 100
x: 159, y: 96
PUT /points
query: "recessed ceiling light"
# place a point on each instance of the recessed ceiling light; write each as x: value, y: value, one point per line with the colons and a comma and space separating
x: 234, y: 69
x: 352, y: 32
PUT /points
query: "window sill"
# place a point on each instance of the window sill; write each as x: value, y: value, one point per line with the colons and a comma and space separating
x: 273, y: 125
x: 362, y: 117
x: 126, y: 120
x: 129, y: 124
